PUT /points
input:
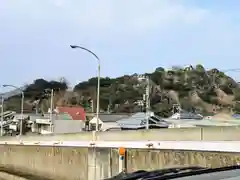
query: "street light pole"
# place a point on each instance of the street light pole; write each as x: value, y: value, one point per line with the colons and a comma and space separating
x: 98, y: 82
x: 98, y: 97
x: 22, y: 105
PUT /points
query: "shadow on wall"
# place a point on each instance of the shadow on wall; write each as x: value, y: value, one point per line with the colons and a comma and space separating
x: 26, y: 173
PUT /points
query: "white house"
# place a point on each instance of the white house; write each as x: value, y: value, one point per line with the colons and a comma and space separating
x: 106, y: 121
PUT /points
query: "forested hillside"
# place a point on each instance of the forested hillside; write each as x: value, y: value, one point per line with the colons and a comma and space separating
x: 194, y: 88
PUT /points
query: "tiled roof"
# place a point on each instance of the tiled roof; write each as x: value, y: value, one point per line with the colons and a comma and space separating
x: 77, y: 113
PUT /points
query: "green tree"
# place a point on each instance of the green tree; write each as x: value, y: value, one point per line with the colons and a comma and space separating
x: 159, y: 69
x: 200, y: 68
x: 237, y: 108
x: 236, y: 94
x: 123, y: 92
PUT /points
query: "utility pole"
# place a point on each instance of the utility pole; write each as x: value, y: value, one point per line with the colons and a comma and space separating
x: 147, y: 99
x: 109, y: 106
x: 21, y: 120
x: 108, y: 109
x: 51, y: 111
x: 92, y: 106
x: 36, y: 109
x: 2, y: 103
x: 110, y: 99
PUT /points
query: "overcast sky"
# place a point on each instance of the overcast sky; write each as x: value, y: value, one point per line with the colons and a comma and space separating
x: 129, y: 36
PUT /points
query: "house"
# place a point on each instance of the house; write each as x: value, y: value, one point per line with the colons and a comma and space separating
x: 139, y: 121
x: 44, y: 125
x: 55, y: 124
x: 106, y: 120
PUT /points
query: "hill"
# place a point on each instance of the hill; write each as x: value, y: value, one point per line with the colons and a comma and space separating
x: 193, y: 88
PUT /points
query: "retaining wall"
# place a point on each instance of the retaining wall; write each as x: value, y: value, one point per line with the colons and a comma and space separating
x: 178, y: 134
x: 79, y: 163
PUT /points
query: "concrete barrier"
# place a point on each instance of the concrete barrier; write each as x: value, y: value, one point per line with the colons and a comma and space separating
x: 175, y: 134
x: 52, y: 162
x: 178, y: 134
x: 79, y: 163
x: 153, y: 159
x: 188, y: 134
x: 220, y: 134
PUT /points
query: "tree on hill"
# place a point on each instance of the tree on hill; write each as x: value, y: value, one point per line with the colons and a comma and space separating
x: 191, y: 87
x: 181, y: 80
x: 40, y: 90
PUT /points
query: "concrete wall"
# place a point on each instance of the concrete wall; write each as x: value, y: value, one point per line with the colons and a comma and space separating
x: 51, y: 163
x: 154, y: 159
x: 68, y: 126
x: 79, y: 163
x: 184, y: 134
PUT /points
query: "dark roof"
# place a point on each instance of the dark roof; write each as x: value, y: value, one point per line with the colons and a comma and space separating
x: 112, y: 117
x: 77, y: 113
x: 138, y: 120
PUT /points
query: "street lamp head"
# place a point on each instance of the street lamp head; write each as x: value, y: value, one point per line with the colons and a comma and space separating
x: 5, y: 85
x: 73, y: 46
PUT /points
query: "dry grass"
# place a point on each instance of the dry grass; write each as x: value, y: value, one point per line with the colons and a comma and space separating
x: 223, y: 98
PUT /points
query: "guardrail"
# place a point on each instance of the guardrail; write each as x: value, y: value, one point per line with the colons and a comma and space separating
x: 212, y: 146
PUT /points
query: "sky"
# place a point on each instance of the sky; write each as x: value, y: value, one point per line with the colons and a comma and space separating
x: 129, y: 36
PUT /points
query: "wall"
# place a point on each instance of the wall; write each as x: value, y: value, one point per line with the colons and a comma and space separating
x: 154, y: 159
x: 184, y: 134
x: 75, y: 163
x: 51, y: 163
x: 78, y: 163
x: 68, y: 126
